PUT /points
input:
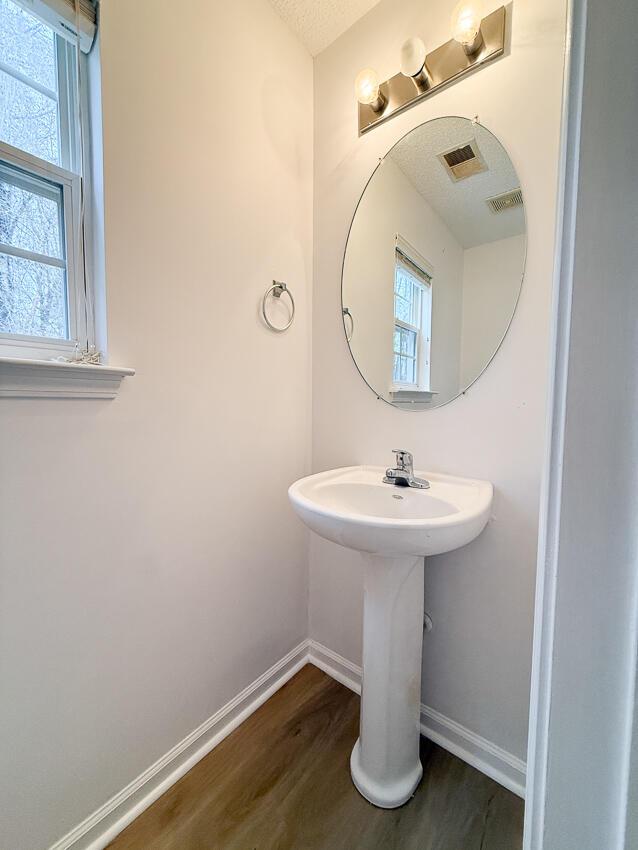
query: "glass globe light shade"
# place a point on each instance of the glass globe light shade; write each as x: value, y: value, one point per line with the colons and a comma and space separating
x: 466, y: 21
x: 366, y: 86
x: 412, y: 57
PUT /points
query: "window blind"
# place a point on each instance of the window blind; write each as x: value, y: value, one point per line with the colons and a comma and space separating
x: 412, y: 267
x: 61, y: 15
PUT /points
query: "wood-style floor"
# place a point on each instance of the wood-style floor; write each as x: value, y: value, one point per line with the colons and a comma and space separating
x: 281, y: 781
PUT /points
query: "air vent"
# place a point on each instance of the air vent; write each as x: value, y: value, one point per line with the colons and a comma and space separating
x: 506, y: 201
x: 463, y: 161
x: 454, y: 158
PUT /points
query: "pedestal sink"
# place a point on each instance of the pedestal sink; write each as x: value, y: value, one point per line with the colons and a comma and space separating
x: 394, y: 528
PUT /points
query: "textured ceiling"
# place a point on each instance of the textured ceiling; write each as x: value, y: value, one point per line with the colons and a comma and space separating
x: 319, y: 22
x: 461, y: 205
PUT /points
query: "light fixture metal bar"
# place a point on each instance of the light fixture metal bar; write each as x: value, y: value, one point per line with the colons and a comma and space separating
x: 445, y: 64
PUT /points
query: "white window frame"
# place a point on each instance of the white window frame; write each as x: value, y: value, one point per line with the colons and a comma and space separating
x: 68, y: 104
x: 69, y: 179
x: 408, y: 256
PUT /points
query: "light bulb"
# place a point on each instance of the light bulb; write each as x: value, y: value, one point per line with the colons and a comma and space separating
x: 412, y: 57
x: 366, y: 86
x: 466, y: 25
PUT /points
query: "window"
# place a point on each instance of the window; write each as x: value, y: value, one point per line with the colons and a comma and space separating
x: 42, y: 287
x: 412, y: 324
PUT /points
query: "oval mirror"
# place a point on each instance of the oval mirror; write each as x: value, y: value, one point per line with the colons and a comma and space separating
x: 434, y: 263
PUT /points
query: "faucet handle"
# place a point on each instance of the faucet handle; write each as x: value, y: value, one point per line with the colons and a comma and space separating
x: 404, y: 459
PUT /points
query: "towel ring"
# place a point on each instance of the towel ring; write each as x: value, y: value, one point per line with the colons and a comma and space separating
x: 278, y: 290
x: 346, y: 312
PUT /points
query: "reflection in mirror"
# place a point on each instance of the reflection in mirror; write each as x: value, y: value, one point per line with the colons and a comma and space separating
x: 434, y: 263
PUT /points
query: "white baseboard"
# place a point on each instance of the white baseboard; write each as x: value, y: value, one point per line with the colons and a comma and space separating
x: 100, y: 828
x: 336, y: 666
x: 490, y: 759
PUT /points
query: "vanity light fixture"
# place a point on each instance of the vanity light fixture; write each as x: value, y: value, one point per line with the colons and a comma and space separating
x: 477, y: 40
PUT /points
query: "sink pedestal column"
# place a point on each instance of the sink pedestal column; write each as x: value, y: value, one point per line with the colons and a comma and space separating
x: 385, y: 762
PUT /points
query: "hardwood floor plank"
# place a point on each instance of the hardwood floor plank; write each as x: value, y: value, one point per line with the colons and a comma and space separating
x: 281, y: 781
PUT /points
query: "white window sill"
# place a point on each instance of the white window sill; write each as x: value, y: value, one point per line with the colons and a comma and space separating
x: 412, y: 395
x: 20, y: 378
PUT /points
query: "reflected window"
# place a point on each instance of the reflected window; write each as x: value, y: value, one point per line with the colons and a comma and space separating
x: 412, y: 324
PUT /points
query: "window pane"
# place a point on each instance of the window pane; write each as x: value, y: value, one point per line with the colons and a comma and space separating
x: 27, y: 45
x: 29, y: 220
x: 404, y: 341
x: 397, y: 340
x: 402, y: 284
x: 404, y: 370
x: 28, y: 119
x: 408, y: 343
x: 402, y: 309
x: 32, y: 298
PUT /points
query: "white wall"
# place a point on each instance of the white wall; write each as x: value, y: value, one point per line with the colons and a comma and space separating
x: 392, y: 205
x: 150, y: 566
x: 583, y: 791
x: 477, y: 658
x: 491, y: 284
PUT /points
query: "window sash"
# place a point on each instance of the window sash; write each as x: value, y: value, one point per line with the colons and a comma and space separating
x: 18, y: 345
x: 417, y: 284
x: 65, y: 98
x: 406, y: 356
x: 46, y: 189
x: 403, y: 326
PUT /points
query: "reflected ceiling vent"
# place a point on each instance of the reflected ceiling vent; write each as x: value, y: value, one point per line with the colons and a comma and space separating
x: 506, y: 201
x: 462, y: 162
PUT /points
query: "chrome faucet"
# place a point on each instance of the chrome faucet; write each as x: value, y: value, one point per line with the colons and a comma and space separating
x: 403, y: 473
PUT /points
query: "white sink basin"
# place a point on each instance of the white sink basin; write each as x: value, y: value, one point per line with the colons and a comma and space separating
x: 394, y: 528
x: 353, y: 507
